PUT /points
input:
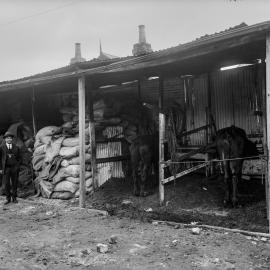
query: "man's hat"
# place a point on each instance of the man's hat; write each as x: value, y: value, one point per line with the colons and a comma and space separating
x: 8, y: 134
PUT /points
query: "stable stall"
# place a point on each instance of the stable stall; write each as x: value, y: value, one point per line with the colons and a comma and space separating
x: 209, y: 96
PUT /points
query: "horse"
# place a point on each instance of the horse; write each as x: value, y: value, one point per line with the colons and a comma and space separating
x: 233, y: 146
x: 144, y: 155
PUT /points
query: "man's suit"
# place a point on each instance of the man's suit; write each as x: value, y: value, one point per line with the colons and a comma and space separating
x: 10, y: 163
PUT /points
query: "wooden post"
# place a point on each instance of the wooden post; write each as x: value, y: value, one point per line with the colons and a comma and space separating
x: 208, y: 130
x: 185, y: 81
x: 260, y: 84
x: 161, y: 140
x: 139, y: 91
x: 33, y: 100
x: 81, y: 94
x: 268, y: 120
x: 92, y: 137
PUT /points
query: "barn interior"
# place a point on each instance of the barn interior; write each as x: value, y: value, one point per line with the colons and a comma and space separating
x: 190, y: 77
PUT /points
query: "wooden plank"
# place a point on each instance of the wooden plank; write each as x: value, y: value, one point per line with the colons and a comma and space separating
x: 260, y: 83
x: 110, y: 140
x: 193, y: 131
x: 190, y: 170
x: 186, y: 225
x: 81, y: 94
x: 113, y: 159
x: 268, y: 120
x: 33, y: 101
x: 92, y: 137
x: 139, y: 91
x: 208, y: 131
x: 161, y: 141
x: 181, y: 156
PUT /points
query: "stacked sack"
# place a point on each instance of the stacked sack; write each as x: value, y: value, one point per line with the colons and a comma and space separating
x: 134, y: 118
x: 56, y: 150
x: 56, y: 164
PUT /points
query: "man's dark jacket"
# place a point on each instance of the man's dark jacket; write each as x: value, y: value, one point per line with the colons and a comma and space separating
x: 3, y: 152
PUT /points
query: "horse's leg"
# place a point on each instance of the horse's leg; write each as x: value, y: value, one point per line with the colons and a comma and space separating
x: 146, y: 167
x: 234, y: 190
x: 135, y: 162
x: 236, y: 167
x: 136, y: 181
x: 227, y: 182
x: 155, y: 179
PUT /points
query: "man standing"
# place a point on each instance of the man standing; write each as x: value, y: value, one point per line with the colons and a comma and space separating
x: 9, y: 166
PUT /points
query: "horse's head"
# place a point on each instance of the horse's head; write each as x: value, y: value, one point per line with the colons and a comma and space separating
x: 250, y: 149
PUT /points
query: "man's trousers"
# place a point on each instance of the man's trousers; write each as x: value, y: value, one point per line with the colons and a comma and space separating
x: 10, y: 181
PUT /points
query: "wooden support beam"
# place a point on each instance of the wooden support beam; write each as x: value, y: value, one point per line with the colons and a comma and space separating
x: 260, y: 83
x: 186, y: 225
x: 161, y: 140
x: 81, y: 94
x: 181, y: 156
x: 33, y: 100
x: 195, y: 130
x: 113, y: 159
x: 208, y: 131
x: 139, y: 90
x: 268, y: 120
x: 190, y: 170
x: 92, y: 139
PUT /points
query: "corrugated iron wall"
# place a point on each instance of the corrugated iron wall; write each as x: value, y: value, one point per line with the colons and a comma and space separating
x: 110, y: 149
x: 196, y: 108
x: 235, y: 97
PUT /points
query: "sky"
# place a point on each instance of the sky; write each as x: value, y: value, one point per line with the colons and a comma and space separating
x: 39, y: 35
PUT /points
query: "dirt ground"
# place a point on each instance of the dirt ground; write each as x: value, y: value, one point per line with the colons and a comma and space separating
x: 186, y: 201
x: 48, y: 234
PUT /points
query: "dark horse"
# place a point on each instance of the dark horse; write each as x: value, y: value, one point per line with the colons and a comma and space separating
x: 144, y: 153
x: 232, y: 143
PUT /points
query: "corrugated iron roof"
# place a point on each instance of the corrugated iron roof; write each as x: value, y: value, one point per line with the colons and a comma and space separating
x: 96, y: 66
x: 243, y: 24
x: 93, y: 63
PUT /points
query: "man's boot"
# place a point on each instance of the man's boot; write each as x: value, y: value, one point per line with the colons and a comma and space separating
x: 7, y: 202
x: 14, y: 200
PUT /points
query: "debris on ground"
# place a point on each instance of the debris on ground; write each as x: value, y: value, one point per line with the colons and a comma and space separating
x: 196, y: 231
x: 126, y: 202
x: 136, y: 248
x: 193, y: 223
x: 174, y: 242
x: 113, y: 239
x: 264, y: 239
x: 102, y: 248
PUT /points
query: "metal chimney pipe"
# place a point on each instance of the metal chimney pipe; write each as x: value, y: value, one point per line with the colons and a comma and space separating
x: 142, y: 38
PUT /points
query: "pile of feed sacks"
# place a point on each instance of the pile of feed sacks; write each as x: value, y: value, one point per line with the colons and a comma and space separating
x: 56, y: 150
x: 56, y: 164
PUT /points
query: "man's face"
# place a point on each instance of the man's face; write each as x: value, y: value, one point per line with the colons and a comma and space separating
x: 8, y: 139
